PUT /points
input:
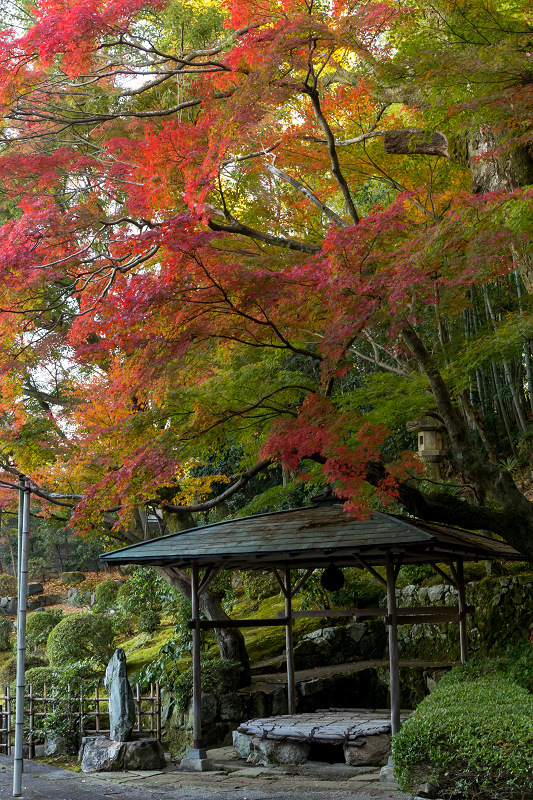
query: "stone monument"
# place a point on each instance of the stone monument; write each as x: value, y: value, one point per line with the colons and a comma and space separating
x: 120, y: 751
x: 121, y: 705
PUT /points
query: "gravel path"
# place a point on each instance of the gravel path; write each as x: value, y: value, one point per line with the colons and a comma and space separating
x: 310, y: 782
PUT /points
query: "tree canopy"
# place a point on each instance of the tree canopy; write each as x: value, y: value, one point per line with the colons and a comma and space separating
x: 250, y: 233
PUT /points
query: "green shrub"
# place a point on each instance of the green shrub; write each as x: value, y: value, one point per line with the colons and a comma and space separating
x: 259, y: 586
x: 79, y: 637
x: 8, y: 672
x: 38, y: 627
x: 71, y: 578
x: 6, y: 626
x: 149, y: 621
x: 473, y: 737
x: 105, y: 594
x: 8, y: 585
x: 39, y: 677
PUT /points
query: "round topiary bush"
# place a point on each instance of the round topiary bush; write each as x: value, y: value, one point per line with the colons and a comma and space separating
x: 39, y: 677
x: 38, y: 627
x: 105, y: 593
x: 8, y: 585
x: 71, y: 578
x: 81, y: 636
x: 6, y: 626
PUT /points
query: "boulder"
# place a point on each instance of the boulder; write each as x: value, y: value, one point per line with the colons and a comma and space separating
x: 34, y: 588
x: 54, y: 744
x: 368, y: 750
x: 101, y: 755
x: 32, y: 604
x: 11, y: 607
x: 121, y: 705
x: 271, y: 751
x: 144, y: 754
x: 73, y: 597
x: 71, y: 578
x: 242, y: 742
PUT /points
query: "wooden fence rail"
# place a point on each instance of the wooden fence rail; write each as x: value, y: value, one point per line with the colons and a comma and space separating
x: 86, y: 711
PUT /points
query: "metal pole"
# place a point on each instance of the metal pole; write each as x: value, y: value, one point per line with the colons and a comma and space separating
x: 393, y: 645
x: 198, y: 752
x: 463, y: 629
x: 21, y: 643
x: 19, y: 527
x: 289, y: 645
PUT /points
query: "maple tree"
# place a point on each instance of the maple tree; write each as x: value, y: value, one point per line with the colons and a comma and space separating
x: 277, y: 228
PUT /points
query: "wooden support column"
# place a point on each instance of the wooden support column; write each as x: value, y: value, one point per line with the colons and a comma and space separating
x: 463, y: 628
x: 198, y: 752
x: 289, y: 644
x: 393, y: 644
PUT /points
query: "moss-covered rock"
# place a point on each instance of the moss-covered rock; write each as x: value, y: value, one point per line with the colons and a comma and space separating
x: 71, y: 578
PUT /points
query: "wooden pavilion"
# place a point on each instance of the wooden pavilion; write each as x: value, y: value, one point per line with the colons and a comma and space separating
x: 293, y: 544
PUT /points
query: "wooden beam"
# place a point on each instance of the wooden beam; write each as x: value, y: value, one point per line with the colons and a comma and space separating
x: 198, y: 751
x: 414, y: 619
x: 370, y: 569
x: 209, y: 624
x: 289, y: 645
x: 463, y: 610
x: 435, y: 567
x: 393, y: 644
x: 302, y: 580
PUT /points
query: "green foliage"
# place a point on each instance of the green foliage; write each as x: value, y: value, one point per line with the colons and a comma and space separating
x: 473, y: 737
x: 72, y: 578
x: 219, y: 676
x: 415, y: 574
x: 8, y: 672
x: 149, y: 621
x: 8, y: 585
x: 360, y: 590
x: 39, y: 677
x: 105, y: 594
x: 79, y: 637
x: 38, y: 627
x: 258, y: 585
x: 6, y: 626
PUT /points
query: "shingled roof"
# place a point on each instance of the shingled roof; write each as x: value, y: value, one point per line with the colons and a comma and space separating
x: 314, y: 536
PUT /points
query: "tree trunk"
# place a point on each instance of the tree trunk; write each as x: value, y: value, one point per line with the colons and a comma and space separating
x: 230, y: 640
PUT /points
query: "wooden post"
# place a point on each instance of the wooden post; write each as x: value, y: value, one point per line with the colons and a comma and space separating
x: 393, y: 645
x: 8, y: 720
x: 97, y: 709
x: 463, y: 628
x: 138, y: 700
x: 198, y: 752
x: 158, y: 711
x: 31, y: 710
x: 289, y: 644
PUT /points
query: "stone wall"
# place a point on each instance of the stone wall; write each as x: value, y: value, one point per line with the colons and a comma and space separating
x: 503, y: 616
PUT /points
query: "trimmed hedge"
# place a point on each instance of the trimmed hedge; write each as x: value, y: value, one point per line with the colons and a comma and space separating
x: 79, y: 637
x: 105, y: 593
x: 38, y: 627
x: 473, y: 737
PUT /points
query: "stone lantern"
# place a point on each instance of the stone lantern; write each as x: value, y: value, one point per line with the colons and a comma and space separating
x: 429, y: 434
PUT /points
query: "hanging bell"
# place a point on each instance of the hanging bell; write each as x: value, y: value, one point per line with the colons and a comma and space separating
x: 332, y: 579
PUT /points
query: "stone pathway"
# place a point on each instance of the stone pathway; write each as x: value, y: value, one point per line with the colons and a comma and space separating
x: 234, y: 781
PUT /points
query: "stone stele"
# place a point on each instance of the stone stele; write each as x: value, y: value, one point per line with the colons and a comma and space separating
x: 121, y: 705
